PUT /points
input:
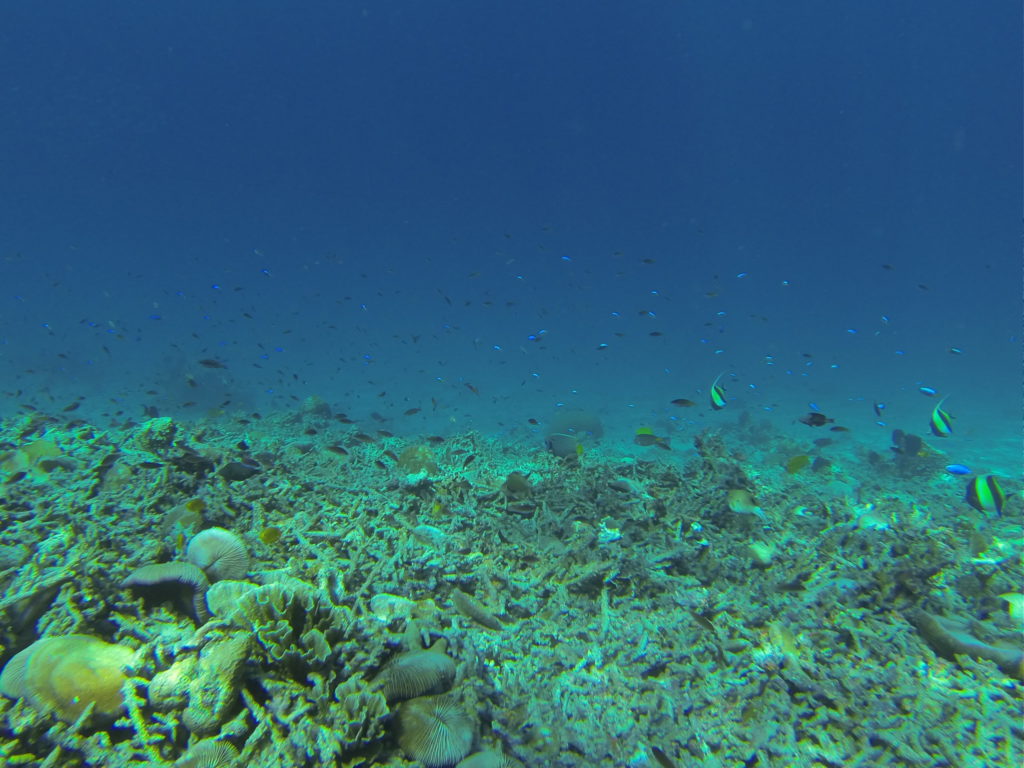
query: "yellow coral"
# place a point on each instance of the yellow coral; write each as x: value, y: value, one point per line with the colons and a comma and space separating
x: 66, y: 674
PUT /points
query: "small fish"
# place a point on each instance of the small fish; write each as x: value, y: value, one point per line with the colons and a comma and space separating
x: 362, y: 437
x: 955, y: 351
x: 839, y: 429
x: 815, y: 419
x: 741, y: 501
x: 472, y: 389
x: 532, y: 421
x: 940, y: 422
x: 663, y: 760
x: 682, y: 402
x: 717, y: 393
x: 411, y: 412
x: 797, y: 463
x: 879, y: 407
x: 927, y: 391
x: 958, y: 469
x: 985, y: 495
x: 209, y: 362
x: 645, y: 436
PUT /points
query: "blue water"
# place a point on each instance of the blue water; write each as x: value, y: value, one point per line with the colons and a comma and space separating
x: 381, y: 202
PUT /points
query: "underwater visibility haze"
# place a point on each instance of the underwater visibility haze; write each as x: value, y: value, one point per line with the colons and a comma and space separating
x: 473, y: 384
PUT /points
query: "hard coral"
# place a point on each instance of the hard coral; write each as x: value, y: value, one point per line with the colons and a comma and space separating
x: 291, y: 620
x: 186, y: 574
x: 415, y: 673
x: 213, y: 690
x: 66, y: 674
x: 220, y: 553
x: 208, y: 753
x: 435, y: 730
x: 417, y: 459
x: 949, y: 637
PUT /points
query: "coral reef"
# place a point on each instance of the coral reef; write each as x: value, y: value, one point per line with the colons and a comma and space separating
x: 482, y: 603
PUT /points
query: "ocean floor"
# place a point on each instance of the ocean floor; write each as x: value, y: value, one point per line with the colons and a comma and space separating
x: 299, y: 590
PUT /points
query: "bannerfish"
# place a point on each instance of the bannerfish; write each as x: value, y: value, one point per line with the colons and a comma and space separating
x: 717, y: 394
x: 940, y: 422
x: 985, y: 495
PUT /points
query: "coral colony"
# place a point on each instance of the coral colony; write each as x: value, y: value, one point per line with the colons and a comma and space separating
x: 191, y: 595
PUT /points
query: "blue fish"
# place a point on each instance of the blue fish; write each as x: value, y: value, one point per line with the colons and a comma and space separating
x: 958, y: 469
x: 927, y: 391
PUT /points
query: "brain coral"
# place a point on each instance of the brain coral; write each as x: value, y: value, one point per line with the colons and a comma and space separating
x: 65, y: 674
